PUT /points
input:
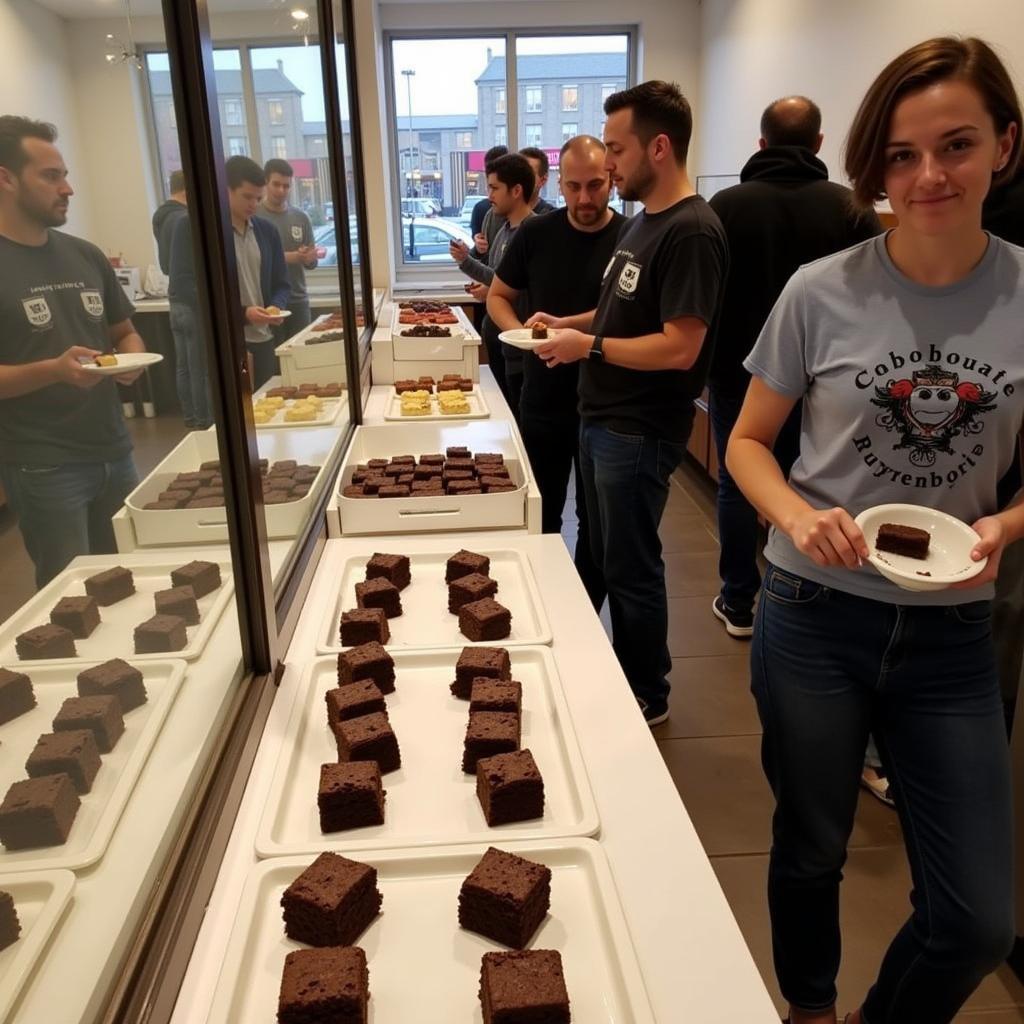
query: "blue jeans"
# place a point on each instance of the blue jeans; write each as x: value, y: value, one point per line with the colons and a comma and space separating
x: 64, y: 511
x: 827, y: 669
x: 625, y: 477
x: 191, y: 376
x: 738, y: 535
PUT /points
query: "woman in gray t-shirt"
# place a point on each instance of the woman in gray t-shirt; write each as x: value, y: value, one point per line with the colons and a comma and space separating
x: 908, y: 354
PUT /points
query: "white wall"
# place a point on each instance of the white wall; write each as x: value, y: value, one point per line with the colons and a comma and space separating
x: 754, y: 51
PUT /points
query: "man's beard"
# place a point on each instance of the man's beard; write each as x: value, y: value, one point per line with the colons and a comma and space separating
x: 640, y: 185
x: 49, y: 216
x: 591, y: 216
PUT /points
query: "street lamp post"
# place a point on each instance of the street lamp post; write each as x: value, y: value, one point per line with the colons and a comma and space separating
x: 408, y: 73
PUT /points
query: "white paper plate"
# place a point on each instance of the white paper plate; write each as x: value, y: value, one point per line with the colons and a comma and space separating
x: 423, y: 966
x: 949, y: 551
x: 126, y: 363
x: 282, y: 313
x: 522, y: 337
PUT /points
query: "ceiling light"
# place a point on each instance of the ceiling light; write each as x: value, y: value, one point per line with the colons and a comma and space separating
x: 300, y: 14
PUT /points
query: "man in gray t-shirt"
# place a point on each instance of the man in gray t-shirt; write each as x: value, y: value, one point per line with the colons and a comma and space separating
x: 296, y: 231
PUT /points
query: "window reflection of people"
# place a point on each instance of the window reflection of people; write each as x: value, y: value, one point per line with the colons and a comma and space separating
x: 65, y: 453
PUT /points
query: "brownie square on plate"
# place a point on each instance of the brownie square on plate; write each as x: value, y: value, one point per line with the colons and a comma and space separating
x: 394, y: 568
x: 363, y: 625
x: 368, y: 738
x: 509, y: 787
x: 180, y: 601
x: 47, y: 641
x: 74, y: 753
x: 38, y: 812
x: 496, y: 695
x: 505, y: 897
x: 524, y: 985
x: 115, y: 678
x: 202, y: 577
x: 467, y: 589
x: 379, y: 593
x: 100, y: 715
x: 354, y: 700
x: 478, y: 662
x: 489, y: 733
x: 485, y: 620
x: 330, y: 985
x: 367, y: 661
x: 159, y: 634
x: 16, y: 694
x: 10, y: 927
x: 111, y: 585
x: 80, y: 615
x: 350, y: 796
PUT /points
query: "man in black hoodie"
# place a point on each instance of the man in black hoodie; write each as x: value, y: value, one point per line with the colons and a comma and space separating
x: 784, y: 213
x: 166, y: 217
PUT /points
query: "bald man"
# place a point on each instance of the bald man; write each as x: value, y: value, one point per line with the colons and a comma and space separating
x: 555, y: 263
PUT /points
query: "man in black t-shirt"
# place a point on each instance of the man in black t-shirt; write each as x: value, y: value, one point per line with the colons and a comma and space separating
x: 65, y: 454
x: 554, y: 263
x: 645, y: 363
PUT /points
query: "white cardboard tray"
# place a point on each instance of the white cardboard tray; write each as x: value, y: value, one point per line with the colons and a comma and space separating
x: 430, y: 800
x: 425, y: 622
x: 459, y: 331
x: 330, y: 409
x: 114, y: 636
x: 101, y: 807
x: 40, y: 899
x: 478, y: 409
x: 423, y: 966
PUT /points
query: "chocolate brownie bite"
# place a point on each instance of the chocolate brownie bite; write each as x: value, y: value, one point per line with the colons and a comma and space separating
x: 492, y: 458
x: 45, y: 642
x: 494, y: 484
x: 367, y: 661
x: 509, y: 787
x: 376, y: 463
x: 485, y: 620
x: 903, y: 540
x: 180, y: 601
x: 505, y: 898
x: 403, y: 460
x: 363, y: 625
x: 373, y: 484
x: 211, y: 466
x: 277, y: 497
x: 466, y: 563
x: 10, y: 926
x: 111, y: 585
x: 467, y: 589
x: 496, y: 695
x: 393, y: 470
x: 489, y: 733
x: 74, y: 753
x: 394, y: 491
x: 80, y: 615
x: 16, y: 695
x: 463, y: 488
x: 460, y: 465
x: 524, y: 985
x: 114, y: 678
x: 38, y: 812
x: 205, y: 503
x: 355, y: 491
x: 432, y: 460
x: 330, y: 985
x: 350, y: 796
x: 161, y: 506
x: 457, y: 452
x: 100, y: 715
x: 332, y: 902
x: 368, y: 738
x: 379, y: 593
x: 355, y: 699
x: 394, y: 568
x: 159, y: 634
x: 479, y: 662
x: 202, y: 577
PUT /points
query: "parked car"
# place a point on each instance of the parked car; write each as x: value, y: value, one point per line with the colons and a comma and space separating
x: 420, y: 206
x: 426, y: 241
x: 466, y: 212
x: 324, y: 238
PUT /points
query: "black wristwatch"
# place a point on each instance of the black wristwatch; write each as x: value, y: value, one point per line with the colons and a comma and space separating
x: 597, y: 349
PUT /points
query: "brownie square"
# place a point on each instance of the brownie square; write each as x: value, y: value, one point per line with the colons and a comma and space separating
x: 524, y: 985
x: 16, y: 694
x: 283, y: 466
x: 38, y: 812
x: 100, y: 715
x: 466, y: 563
x: 427, y: 473
x: 350, y: 796
x: 45, y: 642
x: 362, y: 625
x: 161, y: 506
x: 489, y: 733
x: 403, y: 460
x: 496, y: 695
x: 903, y: 540
x: 202, y: 577
x: 493, y: 484
x: 111, y: 585
x: 394, y: 568
x: 330, y: 985
x: 373, y: 484
x: 485, y: 620
x: 505, y: 898
x: 355, y: 699
x: 160, y: 633
x: 367, y: 661
x: 479, y: 662
x: 355, y: 491
x: 180, y: 601
x: 376, y: 463
x: 405, y: 480
x: 213, y: 466
x: 456, y: 465
x: 467, y: 589
x: 10, y: 927
x: 114, y: 678
x: 74, y: 753
x: 80, y: 615
x: 394, y: 491
x: 457, y: 452
x: 432, y: 460
x: 332, y: 902
x: 450, y: 476
x: 509, y: 787
x: 379, y: 593
x: 368, y: 738
x: 208, y: 492
x: 493, y: 458
x: 395, y: 469
x: 205, y: 503
x: 462, y: 488
x: 277, y: 497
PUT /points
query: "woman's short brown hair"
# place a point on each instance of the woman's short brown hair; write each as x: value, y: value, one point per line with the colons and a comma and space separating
x: 932, y: 61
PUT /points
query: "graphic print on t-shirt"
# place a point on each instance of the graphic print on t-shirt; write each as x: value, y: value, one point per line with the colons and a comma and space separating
x: 629, y: 278
x: 93, y: 303
x: 37, y: 310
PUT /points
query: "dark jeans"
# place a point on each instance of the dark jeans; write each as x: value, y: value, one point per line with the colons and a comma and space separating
x: 827, y: 669
x: 1008, y: 624
x: 64, y: 511
x: 737, y: 519
x: 625, y: 480
x: 190, y: 375
x: 552, y: 446
x: 264, y: 362
x: 495, y: 355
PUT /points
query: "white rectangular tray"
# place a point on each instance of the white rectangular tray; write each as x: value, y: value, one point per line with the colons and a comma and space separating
x: 114, y: 636
x: 425, y: 621
x: 459, y: 331
x: 423, y: 966
x: 101, y: 807
x: 40, y: 899
x: 430, y: 800
x: 478, y: 409
x: 330, y: 410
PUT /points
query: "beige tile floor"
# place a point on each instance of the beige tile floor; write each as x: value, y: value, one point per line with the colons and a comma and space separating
x: 711, y: 746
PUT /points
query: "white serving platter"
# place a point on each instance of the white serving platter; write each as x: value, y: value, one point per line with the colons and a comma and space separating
x: 425, y: 622
x: 127, y: 362
x: 430, y: 800
x: 114, y: 636
x: 101, y: 807
x: 40, y: 899
x: 330, y: 409
x: 462, y: 329
x: 423, y: 966
x: 478, y: 408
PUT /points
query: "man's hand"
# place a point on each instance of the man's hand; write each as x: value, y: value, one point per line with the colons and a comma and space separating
x: 477, y: 290
x: 307, y: 255
x: 480, y: 243
x: 259, y: 317
x: 542, y: 318
x: 829, y: 537
x: 458, y: 251
x: 68, y: 368
x: 565, y: 346
x: 993, y: 541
